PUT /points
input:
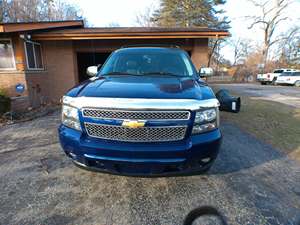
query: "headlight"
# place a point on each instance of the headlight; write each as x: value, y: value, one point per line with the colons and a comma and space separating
x: 206, y: 120
x: 206, y: 116
x: 70, y: 117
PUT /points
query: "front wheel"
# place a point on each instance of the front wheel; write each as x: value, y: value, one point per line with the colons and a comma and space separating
x: 297, y: 83
x: 263, y: 83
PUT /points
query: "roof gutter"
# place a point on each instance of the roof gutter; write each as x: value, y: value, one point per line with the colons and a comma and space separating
x: 149, y: 35
x: 39, y: 26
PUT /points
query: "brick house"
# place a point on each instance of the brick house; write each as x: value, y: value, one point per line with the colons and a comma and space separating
x: 48, y: 58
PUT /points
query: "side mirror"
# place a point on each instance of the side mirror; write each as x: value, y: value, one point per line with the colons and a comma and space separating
x: 92, y: 71
x: 228, y: 103
x: 206, y: 72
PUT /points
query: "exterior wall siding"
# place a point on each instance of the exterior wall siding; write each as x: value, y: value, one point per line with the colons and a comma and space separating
x: 8, y: 81
x: 60, y: 65
x: 10, y: 78
x: 59, y: 75
x: 200, y: 53
x: 38, y: 88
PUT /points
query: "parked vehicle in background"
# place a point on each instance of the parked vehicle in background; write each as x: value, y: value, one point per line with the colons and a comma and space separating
x: 270, y: 78
x: 289, y: 78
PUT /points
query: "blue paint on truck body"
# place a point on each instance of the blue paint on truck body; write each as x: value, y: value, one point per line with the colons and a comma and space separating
x: 142, y: 158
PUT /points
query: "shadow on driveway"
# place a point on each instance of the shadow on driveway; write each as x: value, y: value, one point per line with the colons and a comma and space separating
x: 242, y: 151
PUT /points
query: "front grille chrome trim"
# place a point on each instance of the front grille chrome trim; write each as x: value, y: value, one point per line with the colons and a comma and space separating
x: 143, y: 134
x: 150, y: 115
x: 140, y: 103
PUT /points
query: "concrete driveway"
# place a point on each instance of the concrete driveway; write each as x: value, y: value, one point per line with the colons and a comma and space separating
x: 288, y: 95
x: 251, y: 183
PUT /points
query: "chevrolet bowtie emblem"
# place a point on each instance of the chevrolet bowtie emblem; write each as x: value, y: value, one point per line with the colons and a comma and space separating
x: 133, y: 123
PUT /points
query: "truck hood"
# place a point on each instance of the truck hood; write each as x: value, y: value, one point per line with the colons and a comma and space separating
x: 143, y: 87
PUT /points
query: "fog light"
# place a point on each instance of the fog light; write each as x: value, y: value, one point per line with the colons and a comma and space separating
x: 205, y: 160
x: 72, y: 155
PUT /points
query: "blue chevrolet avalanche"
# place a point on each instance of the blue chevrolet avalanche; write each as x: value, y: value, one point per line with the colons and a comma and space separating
x: 146, y: 112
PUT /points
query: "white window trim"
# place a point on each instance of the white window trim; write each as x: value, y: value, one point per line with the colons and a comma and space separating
x: 13, y: 55
x: 27, y: 64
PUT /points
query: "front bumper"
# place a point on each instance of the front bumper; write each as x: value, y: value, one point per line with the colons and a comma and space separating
x: 284, y: 82
x: 190, y: 156
x: 263, y: 80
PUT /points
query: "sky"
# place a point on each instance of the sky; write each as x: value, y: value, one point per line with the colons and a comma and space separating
x: 101, y: 13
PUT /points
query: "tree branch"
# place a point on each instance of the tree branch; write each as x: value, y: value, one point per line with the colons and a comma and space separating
x: 257, y: 22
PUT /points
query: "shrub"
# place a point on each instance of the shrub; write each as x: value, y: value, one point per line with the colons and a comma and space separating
x: 4, y: 102
x: 2, y: 92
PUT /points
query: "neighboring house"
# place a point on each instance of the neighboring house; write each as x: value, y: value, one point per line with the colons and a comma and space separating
x: 48, y: 58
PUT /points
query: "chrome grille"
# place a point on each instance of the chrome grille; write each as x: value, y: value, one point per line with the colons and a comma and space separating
x: 143, y: 134
x: 136, y: 115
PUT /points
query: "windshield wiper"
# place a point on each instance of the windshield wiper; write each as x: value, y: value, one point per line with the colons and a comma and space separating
x: 162, y: 73
x: 119, y: 73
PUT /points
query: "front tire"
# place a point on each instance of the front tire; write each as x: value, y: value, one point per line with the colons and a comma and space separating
x: 263, y: 83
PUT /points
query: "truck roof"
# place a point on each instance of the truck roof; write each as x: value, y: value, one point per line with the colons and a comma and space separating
x: 150, y: 48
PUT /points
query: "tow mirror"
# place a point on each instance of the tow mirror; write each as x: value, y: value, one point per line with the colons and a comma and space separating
x: 92, y: 71
x: 228, y: 103
x: 206, y: 72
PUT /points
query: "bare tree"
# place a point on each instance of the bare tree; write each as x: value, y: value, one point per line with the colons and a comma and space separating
x: 271, y: 15
x: 213, y: 50
x: 38, y: 10
x: 143, y: 19
x: 241, y: 49
x: 3, y: 7
x: 289, y: 47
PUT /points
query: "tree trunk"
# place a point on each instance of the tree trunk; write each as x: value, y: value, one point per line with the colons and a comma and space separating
x: 212, y: 53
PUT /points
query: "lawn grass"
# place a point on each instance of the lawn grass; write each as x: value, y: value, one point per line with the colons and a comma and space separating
x: 272, y: 122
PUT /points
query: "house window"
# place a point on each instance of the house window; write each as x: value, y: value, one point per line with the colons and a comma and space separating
x: 7, y: 60
x: 33, y: 55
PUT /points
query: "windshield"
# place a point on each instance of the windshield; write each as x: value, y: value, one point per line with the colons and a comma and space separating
x: 286, y: 74
x: 142, y: 62
x: 290, y: 74
x: 278, y: 71
x: 296, y: 74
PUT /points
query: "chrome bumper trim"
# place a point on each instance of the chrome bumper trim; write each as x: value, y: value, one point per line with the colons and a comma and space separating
x: 117, y: 114
x: 79, y: 163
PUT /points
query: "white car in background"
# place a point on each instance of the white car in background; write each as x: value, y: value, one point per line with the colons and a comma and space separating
x: 270, y: 78
x: 289, y: 78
